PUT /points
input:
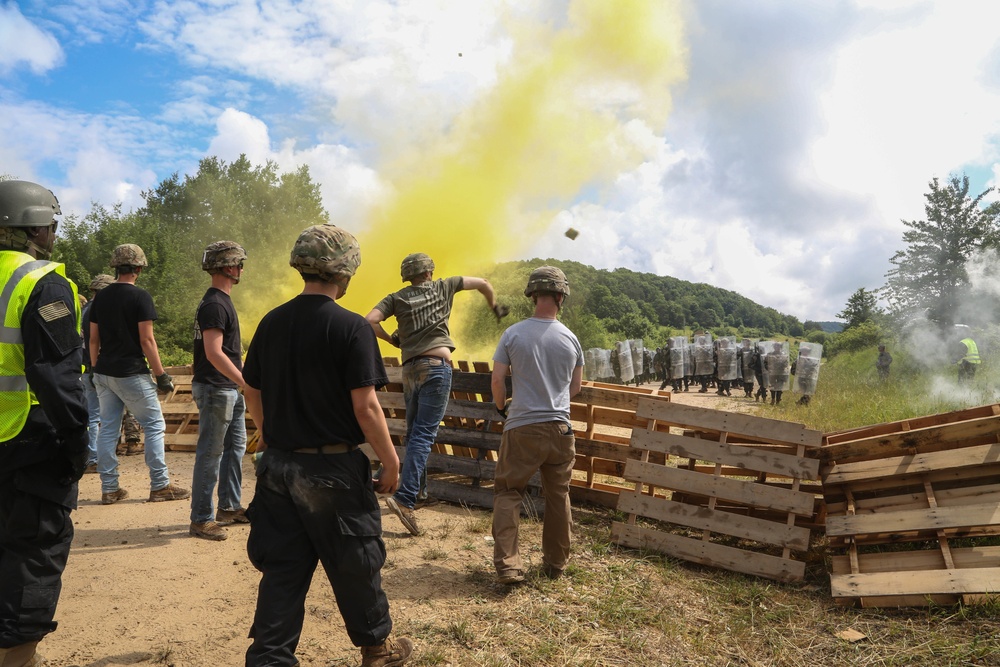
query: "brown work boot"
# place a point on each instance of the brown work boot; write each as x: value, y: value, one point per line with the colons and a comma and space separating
x: 209, y: 530
x: 405, y: 514
x: 113, y: 497
x: 510, y: 577
x: 134, y: 447
x: 169, y: 492
x: 389, y: 654
x: 238, y: 515
x: 22, y: 655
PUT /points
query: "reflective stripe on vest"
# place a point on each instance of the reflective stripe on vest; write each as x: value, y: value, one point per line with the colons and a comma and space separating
x: 971, y: 351
x: 19, y: 274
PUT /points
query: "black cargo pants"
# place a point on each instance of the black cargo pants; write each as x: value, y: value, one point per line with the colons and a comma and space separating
x: 310, y: 508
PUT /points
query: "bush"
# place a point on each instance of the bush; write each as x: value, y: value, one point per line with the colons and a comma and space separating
x: 864, y: 335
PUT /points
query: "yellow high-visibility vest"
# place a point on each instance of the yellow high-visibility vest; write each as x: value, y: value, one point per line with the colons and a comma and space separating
x: 19, y: 273
x: 971, y: 351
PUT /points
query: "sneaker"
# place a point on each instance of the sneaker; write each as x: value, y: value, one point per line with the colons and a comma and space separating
x: 238, y: 515
x: 169, y: 492
x: 113, y: 497
x: 405, y: 514
x: 508, y: 577
x: 209, y: 530
x: 391, y: 653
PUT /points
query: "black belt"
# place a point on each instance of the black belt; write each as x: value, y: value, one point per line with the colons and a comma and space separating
x: 326, y: 449
x: 428, y: 357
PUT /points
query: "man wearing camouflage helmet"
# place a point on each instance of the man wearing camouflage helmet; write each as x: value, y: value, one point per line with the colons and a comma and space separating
x: 422, y: 311
x: 311, y: 374
x: 121, y: 343
x: 545, y: 361
x: 43, y: 419
x: 216, y: 388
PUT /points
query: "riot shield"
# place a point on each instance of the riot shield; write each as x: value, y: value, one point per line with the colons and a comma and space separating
x: 626, y: 372
x: 807, y: 368
x: 746, y: 360
x: 777, y: 367
x: 678, y: 346
x: 726, y: 368
x: 635, y: 345
x: 704, y: 357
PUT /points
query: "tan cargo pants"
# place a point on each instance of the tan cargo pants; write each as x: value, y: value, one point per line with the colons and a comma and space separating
x: 550, y: 450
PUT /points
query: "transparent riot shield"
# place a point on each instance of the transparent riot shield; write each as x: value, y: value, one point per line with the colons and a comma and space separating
x: 746, y: 359
x: 677, y: 348
x: 635, y: 344
x: 777, y: 367
x: 726, y: 367
x: 626, y: 372
x: 807, y: 368
x: 704, y: 355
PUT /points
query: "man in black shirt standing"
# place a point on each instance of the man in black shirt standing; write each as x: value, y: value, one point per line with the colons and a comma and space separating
x: 121, y: 342
x: 43, y: 419
x: 311, y: 373
x: 216, y: 388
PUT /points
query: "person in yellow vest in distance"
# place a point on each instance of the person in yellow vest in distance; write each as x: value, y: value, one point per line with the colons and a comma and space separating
x: 969, y: 359
x: 43, y: 419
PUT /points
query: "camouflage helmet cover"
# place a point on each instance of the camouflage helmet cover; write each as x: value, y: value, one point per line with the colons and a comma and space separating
x: 26, y: 204
x: 221, y: 254
x: 100, y: 281
x: 327, y: 251
x: 128, y: 254
x: 415, y: 264
x: 547, y: 279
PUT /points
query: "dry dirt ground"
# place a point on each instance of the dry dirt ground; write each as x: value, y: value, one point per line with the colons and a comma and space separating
x: 139, y: 591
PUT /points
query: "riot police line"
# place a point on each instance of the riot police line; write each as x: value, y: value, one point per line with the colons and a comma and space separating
x: 705, y: 362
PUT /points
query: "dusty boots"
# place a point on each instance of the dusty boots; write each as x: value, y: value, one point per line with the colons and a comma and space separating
x: 391, y: 653
x: 23, y: 655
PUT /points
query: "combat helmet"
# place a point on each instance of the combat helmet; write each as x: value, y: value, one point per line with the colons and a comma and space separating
x: 25, y: 204
x: 128, y: 254
x: 221, y: 254
x: 415, y: 264
x: 100, y: 281
x: 547, y: 279
x: 326, y: 251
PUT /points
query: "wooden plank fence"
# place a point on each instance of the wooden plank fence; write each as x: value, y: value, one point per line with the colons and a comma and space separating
x: 741, y: 511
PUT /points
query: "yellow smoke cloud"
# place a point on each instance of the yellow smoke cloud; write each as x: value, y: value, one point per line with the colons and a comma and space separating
x: 554, y: 125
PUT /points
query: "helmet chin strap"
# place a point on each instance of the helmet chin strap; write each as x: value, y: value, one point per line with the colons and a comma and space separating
x: 40, y: 252
x: 235, y: 279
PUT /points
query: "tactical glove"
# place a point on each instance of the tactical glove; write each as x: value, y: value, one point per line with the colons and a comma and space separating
x: 395, y: 338
x: 164, y: 383
x: 500, y: 311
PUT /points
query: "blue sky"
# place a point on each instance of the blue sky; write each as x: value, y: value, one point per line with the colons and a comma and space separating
x: 775, y: 156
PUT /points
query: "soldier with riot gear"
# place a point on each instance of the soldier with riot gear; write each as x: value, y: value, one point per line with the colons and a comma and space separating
x: 807, y: 370
x: 777, y: 370
x: 121, y: 343
x: 422, y: 311
x: 43, y: 419
x: 311, y: 376
x: 216, y: 389
x: 746, y: 364
x: 704, y: 361
x: 725, y: 366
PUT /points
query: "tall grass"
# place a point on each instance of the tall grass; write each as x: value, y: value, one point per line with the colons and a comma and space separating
x: 850, y: 394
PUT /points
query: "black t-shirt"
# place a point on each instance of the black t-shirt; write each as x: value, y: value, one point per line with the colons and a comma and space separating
x: 117, y: 310
x: 216, y: 311
x: 305, y: 358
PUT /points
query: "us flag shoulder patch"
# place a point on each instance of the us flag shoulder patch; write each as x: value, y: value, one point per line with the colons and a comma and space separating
x: 54, y: 311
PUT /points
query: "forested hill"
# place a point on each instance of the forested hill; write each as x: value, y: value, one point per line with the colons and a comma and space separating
x: 607, y: 306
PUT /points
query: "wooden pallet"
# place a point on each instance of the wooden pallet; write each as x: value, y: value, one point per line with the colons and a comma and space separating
x: 181, y: 414
x: 740, y: 522
x: 914, y: 509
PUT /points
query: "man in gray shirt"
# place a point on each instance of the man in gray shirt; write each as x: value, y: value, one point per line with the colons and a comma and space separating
x: 546, y: 364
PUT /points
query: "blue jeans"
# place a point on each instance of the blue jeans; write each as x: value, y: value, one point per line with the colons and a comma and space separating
x: 93, y: 417
x: 426, y: 388
x: 222, y: 442
x: 138, y: 394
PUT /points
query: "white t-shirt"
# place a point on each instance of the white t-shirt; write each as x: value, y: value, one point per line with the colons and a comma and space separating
x: 542, y: 355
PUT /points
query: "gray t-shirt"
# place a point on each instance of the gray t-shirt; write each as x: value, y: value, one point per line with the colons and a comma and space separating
x: 422, y: 313
x: 542, y: 355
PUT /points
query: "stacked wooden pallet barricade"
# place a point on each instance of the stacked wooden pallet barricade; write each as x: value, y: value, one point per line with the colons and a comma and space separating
x: 736, y: 490
x: 913, y: 510
x: 181, y: 414
x: 462, y: 463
